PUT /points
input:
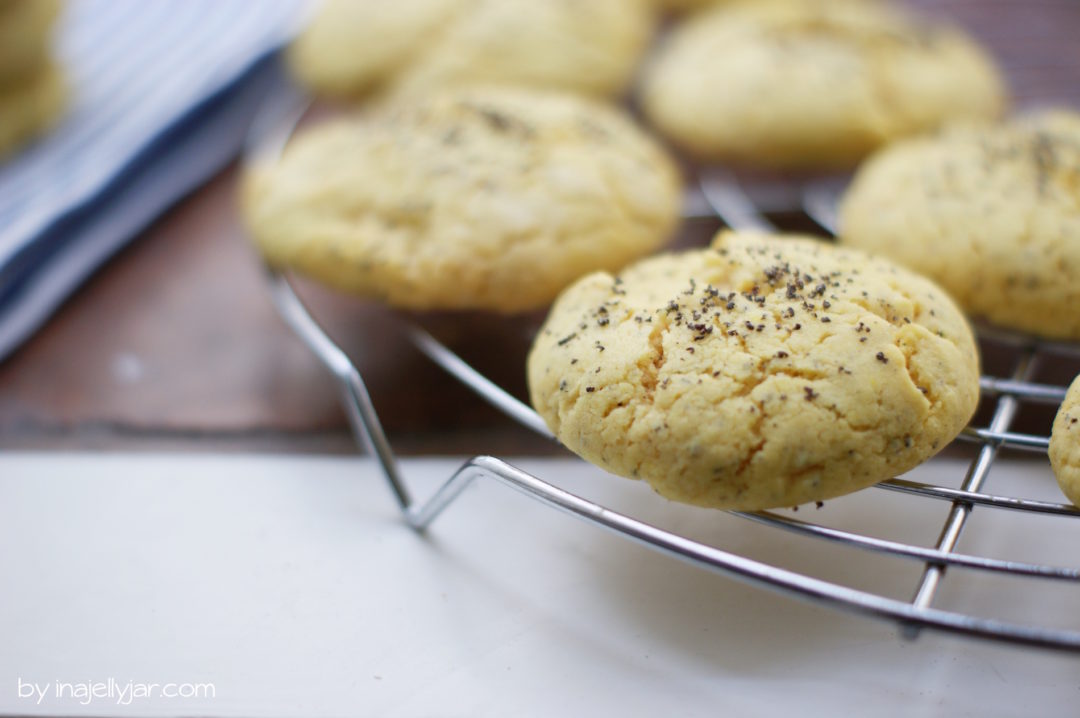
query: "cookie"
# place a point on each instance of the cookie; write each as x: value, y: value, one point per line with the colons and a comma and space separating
x: 1065, y: 444
x: 29, y: 108
x: 25, y: 28
x: 816, y: 84
x: 764, y: 371
x: 472, y: 199
x: 358, y: 47
x: 991, y: 213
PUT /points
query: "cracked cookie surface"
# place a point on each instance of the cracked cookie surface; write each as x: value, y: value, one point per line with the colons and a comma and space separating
x: 811, y: 84
x: 991, y: 213
x: 358, y: 47
x: 489, y: 199
x: 1065, y: 444
x: 762, y: 372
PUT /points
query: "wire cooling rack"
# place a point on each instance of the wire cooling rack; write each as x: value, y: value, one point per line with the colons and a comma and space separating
x: 722, y: 197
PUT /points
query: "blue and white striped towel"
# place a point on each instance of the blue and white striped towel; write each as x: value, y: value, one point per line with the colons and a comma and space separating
x: 162, y: 94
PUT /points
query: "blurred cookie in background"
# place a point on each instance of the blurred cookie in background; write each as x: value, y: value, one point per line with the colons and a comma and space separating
x: 30, y: 107
x: 990, y: 212
x: 816, y: 84
x: 32, y: 90
x: 25, y: 32
x: 354, y: 48
x: 482, y: 198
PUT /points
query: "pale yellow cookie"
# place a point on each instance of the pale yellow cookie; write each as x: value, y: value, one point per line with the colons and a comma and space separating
x: 356, y: 47
x: 29, y: 108
x: 813, y: 84
x: 1065, y: 444
x: 991, y: 213
x: 765, y: 371
x: 25, y: 27
x: 486, y: 198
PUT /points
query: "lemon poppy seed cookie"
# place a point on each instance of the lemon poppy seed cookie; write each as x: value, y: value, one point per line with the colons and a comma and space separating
x: 1065, y: 444
x: 356, y: 47
x: 30, y: 107
x: 481, y: 199
x: 812, y: 84
x: 992, y: 213
x: 762, y: 372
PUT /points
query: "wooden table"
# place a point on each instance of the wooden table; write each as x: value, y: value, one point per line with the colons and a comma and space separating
x: 174, y: 344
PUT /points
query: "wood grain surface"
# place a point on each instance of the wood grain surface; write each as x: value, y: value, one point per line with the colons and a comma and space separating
x: 174, y: 344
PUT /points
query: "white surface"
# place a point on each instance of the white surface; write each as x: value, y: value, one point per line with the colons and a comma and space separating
x: 292, y: 586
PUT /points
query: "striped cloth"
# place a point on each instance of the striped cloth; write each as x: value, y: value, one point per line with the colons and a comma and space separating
x: 163, y: 92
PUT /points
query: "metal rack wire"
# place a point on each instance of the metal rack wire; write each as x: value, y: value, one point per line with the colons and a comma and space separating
x: 727, y: 201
